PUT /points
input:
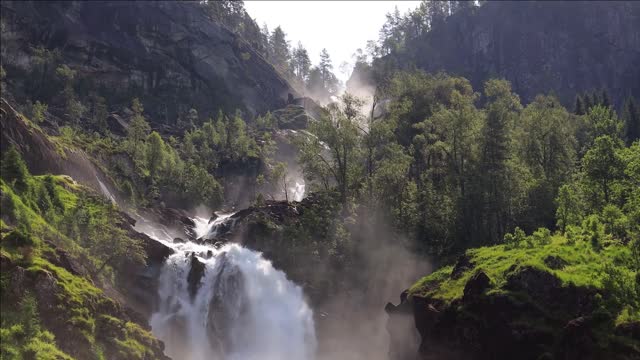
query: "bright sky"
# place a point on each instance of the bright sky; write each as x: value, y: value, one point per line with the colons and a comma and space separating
x: 340, y: 26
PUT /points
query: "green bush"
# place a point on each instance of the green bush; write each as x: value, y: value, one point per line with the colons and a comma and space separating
x: 542, y: 236
x: 516, y: 239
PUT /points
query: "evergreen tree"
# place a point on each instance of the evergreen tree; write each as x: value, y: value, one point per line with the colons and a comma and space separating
x: 280, y: 55
x: 604, y: 99
x: 155, y: 153
x: 631, y: 118
x: 301, y: 63
x: 14, y: 169
x: 588, y: 102
x: 502, y: 109
x: 138, y: 128
x: 325, y: 68
x: 579, y: 107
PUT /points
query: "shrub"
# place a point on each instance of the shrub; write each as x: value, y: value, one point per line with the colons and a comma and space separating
x: 14, y: 169
x: 23, y: 241
x: 542, y: 236
x: 38, y: 111
x: 594, y: 231
x: 614, y: 221
x: 514, y: 240
x: 573, y: 234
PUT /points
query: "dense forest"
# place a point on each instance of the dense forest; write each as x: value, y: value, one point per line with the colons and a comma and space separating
x: 518, y: 197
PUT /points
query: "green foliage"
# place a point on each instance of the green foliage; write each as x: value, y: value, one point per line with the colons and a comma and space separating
x: 339, y: 132
x: 38, y: 111
x: 14, y: 169
x: 604, y: 122
x: 631, y: 119
x: 22, y: 336
x: 138, y: 129
x: 516, y: 239
x: 602, y: 166
x: 155, y: 153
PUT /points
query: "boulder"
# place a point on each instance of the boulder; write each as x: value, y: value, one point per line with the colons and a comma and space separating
x: 196, y: 272
x: 462, y: 264
x: 476, y: 286
x: 555, y: 262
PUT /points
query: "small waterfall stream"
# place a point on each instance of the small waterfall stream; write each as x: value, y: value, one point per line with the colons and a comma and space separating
x: 242, y: 308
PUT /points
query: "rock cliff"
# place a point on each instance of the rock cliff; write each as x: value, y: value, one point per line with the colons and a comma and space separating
x: 169, y: 54
x: 564, y: 47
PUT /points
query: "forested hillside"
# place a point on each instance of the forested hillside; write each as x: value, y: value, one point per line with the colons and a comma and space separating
x: 159, y: 166
x: 540, y: 47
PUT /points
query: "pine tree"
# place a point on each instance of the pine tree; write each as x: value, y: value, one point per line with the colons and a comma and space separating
x: 138, y: 129
x: 631, y: 118
x: 280, y: 55
x: 579, y: 107
x: 300, y: 62
x: 13, y: 169
x: 588, y: 103
x: 604, y: 99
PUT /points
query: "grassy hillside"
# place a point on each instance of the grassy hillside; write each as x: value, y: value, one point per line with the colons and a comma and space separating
x: 545, y: 284
x: 57, y: 244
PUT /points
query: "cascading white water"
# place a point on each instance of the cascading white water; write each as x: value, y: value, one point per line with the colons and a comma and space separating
x: 244, y: 309
x: 105, y: 191
x: 297, y: 191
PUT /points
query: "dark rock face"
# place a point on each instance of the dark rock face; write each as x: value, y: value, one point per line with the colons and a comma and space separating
x: 170, y: 54
x: 227, y: 305
x: 555, y: 262
x: 61, y: 258
x: 477, y: 285
x: 463, y: 264
x: 540, y: 47
x: 534, y: 317
x: 403, y: 336
x: 196, y: 272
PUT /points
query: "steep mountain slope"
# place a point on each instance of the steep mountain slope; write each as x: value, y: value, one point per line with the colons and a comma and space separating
x: 561, y: 47
x: 170, y: 54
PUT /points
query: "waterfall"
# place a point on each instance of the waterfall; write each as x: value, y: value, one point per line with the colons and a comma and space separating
x: 297, y: 191
x: 229, y: 303
x: 105, y: 191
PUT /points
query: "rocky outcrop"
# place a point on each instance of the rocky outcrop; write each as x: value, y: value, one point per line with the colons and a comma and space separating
x: 533, y: 316
x: 170, y: 54
x: 43, y: 156
x: 196, y: 272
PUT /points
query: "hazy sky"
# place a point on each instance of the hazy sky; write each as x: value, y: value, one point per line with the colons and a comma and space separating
x: 340, y: 26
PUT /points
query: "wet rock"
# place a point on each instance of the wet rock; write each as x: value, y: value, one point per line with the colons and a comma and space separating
x: 156, y: 251
x: 227, y: 306
x: 213, y: 218
x: 195, y: 275
x: 476, y: 286
x: 179, y: 240
x: 403, y: 336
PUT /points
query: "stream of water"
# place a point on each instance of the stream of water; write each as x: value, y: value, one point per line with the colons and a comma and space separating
x: 242, y: 309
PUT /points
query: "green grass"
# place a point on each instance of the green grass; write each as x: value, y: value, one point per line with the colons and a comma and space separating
x: 79, y: 302
x: 585, y: 266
